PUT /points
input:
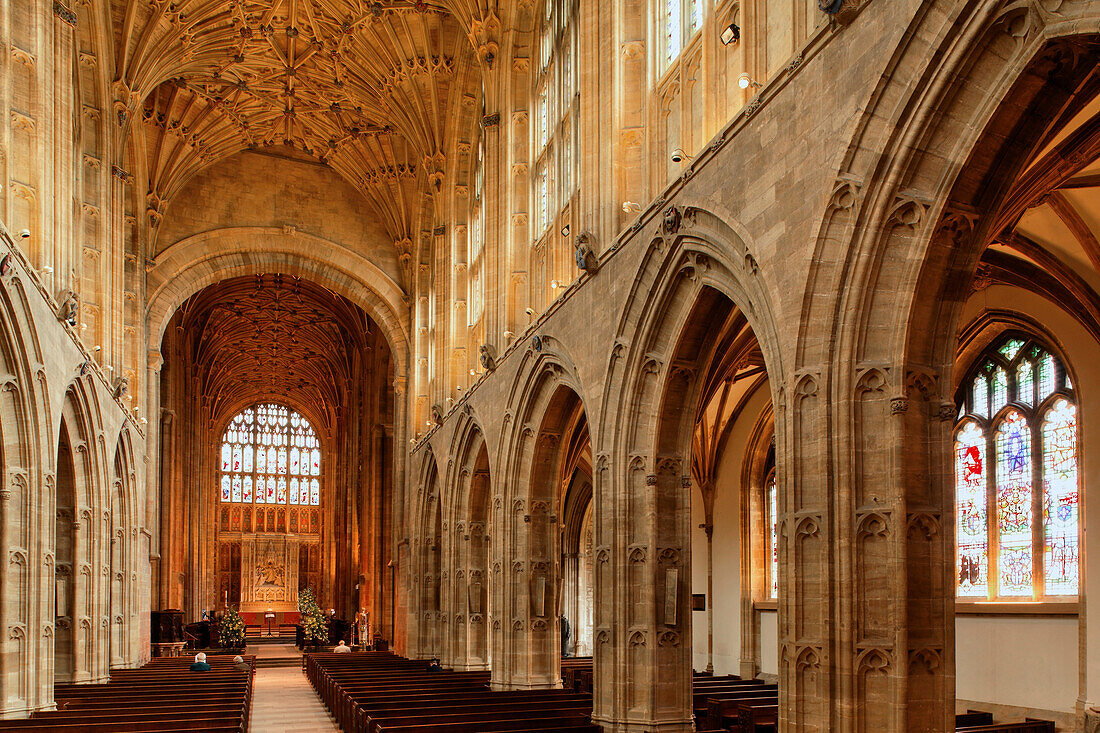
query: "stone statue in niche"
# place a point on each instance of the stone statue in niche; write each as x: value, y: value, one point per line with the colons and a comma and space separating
x: 488, y: 358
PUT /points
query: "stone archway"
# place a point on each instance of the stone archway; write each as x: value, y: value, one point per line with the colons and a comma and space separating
x: 547, y: 404
x: 697, y: 269
x: 467, y: 552
x: 898, y: 245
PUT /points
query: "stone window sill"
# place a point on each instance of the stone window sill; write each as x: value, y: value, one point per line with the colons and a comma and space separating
x: 1030, y: 608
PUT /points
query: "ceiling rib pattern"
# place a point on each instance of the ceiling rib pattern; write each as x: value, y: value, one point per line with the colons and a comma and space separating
x: 380, y: 92
x: 275, y: 337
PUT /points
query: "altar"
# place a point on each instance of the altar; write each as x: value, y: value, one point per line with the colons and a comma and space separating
x: 269, y: 573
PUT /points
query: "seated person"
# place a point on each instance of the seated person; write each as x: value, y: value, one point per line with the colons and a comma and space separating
x: 239, y: 663
x: 341, y: 648
x: 433, y: 666
x: 200, y: 664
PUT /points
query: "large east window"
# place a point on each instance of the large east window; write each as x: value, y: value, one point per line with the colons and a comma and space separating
x: 270, y: 455
x: 1016, y: 477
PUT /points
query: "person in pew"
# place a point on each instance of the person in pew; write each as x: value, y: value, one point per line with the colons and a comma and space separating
x: 433, y: 666
x: 200, y: 664
x: 341, y: 648
x: 239, y: 663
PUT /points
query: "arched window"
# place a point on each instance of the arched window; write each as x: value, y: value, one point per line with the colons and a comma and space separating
x: 1016, y: 487
x: 555, y: 169
x: 270, y: 455
x: 771, y: 529
x: 680, y: 20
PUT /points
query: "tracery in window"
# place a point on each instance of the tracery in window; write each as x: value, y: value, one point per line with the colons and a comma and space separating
x: 555, y: 161
x: 679, y: 22
x: 1017, y: 515
x: 270, y: 454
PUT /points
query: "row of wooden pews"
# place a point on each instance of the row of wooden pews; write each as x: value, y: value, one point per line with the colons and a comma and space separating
x: 164, y: 695
x: 379, y: 692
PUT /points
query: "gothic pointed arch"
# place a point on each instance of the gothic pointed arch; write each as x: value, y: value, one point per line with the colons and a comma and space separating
x: 697, y: 288
x: 900, y: 244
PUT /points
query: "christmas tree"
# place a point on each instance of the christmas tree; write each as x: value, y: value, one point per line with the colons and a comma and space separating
x: 312, y: 618
x: 231, y: 631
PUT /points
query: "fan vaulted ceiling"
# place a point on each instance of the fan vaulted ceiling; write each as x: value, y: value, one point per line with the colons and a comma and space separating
x: 381, y: 92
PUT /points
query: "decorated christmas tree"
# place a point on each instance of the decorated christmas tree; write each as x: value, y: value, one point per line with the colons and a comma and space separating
x: 231, y: 630
x: 312, y: 618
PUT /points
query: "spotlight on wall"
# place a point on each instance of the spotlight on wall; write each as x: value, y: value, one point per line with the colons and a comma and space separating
x: 529, y: 311
x: 679, y: 156
x: 745, y: 81
x: 730, y: 34
x: 98, y: 348
x: 25, y: 234
x: 508, y: 335
x: 47, y: 270
x: 631, y: 206
x: 473, y: 372
x: 555, y: 284
x: 144, y: 421
x: 565, y: 231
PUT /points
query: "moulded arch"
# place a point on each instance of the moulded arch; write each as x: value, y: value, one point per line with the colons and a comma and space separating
x: 705, y: 252
x: 192, y: 264
x: 917, y: 197
x: 468, y: 515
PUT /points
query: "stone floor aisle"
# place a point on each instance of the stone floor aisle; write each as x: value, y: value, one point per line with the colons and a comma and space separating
x: 284, y: 702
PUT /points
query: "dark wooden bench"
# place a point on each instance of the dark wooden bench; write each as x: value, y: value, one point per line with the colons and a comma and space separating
x: 164, y: 695
x: 1029, y: 725
x: 378, y: 692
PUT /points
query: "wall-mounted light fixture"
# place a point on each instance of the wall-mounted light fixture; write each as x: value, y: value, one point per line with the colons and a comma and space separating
x: 679, y: 156
x: 631, y: 206
x: 565, y: 231
x: 730, y: 34
x: 745, y: 81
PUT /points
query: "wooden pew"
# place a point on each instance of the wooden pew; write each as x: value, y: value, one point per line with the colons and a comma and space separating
x: 1029, y: 725
x: 972, y: 718
x: 378, y: 692
x: 161, y: 696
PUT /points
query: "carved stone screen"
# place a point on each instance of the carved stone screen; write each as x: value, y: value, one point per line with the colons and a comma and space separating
x: 269, y: 572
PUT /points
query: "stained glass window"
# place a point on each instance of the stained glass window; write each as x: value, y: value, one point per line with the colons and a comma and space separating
x: 1014, y: 505
x: 972, y: 525
x: 1016, y: 477
x: 1061, y: 567
x: 264, y: 448
x: 772, y: 529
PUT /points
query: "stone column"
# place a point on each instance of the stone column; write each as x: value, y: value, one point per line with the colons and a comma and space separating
x: 643, y: 645
x: 866, y: 639
x: 708, y: 528
x: 151, y: 519
x: 532, y: 640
